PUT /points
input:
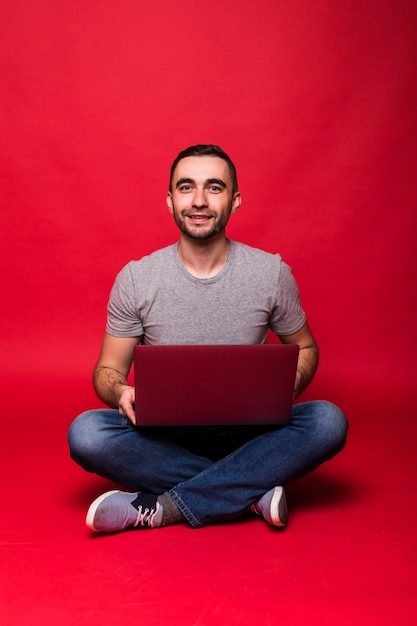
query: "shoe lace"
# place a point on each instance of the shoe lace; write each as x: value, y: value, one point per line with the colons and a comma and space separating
x: 146, y: 517
x: 254, y: 509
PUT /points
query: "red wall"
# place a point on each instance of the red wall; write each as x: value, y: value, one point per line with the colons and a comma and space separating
x: 315, y: 102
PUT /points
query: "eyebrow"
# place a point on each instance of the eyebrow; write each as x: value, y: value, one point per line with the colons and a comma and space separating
x: 209, y: 181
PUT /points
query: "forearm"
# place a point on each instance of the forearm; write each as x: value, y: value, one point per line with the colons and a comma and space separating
x: 109, y: 384
x: 306, y: 368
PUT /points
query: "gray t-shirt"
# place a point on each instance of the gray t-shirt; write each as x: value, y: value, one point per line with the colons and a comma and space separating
x: 156, y: 299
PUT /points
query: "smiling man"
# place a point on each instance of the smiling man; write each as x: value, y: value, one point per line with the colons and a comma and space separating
x: 202, y: 196
x: 204, y: 474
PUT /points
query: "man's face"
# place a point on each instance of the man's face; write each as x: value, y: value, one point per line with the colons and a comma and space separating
x: 201, y: 200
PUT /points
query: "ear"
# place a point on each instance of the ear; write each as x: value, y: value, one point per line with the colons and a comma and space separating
x: 236, y: 202
x: 169, y: 202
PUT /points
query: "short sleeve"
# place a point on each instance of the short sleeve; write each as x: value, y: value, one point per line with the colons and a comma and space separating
x: 288, y: 315
x: 122, y: 314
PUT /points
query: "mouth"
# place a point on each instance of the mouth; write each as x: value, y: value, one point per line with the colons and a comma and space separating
x: 199, y: 218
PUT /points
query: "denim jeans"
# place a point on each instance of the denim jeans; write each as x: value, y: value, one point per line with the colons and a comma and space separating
x: 212, y: 473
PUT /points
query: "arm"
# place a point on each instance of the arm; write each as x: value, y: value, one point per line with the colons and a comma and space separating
x: 110, y: 374
x: 308, y: 357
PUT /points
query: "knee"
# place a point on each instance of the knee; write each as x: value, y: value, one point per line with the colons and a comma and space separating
x: 325, y: 424
x: 333, y: 423
x: 83, y: 437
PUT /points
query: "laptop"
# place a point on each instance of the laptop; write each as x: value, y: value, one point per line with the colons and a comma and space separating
x: 202, y: 385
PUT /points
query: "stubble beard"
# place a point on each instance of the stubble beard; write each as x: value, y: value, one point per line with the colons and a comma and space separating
x: 195, y: 232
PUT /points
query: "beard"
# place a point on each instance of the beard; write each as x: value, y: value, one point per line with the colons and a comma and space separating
x: 216, y: 225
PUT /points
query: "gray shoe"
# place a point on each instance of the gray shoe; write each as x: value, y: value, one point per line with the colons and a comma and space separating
x: 273, y: 507
x: 119, y: 510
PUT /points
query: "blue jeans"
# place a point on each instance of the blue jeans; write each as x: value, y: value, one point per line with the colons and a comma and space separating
x: 212, y: 473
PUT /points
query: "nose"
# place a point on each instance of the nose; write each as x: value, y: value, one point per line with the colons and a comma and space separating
x: 199, y: 198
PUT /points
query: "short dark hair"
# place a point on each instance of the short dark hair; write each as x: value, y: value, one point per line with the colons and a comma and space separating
x: 203, y: 149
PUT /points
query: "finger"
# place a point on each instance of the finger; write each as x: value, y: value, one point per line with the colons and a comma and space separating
x: 132, y: 417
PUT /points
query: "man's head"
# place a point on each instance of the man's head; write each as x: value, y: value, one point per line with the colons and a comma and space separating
x: 206, y: 150
x: 201, y: 196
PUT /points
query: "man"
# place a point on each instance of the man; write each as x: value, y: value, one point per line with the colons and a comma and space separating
x: 206, y: 289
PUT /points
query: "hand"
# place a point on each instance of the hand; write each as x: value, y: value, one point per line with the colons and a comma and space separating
x: 127, y: 403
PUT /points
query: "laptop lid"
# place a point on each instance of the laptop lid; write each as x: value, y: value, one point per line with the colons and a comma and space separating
x: 214, y: 384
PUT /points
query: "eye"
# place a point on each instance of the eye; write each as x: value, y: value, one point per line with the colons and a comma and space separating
x: 185, y: 188
x: 215, y: 188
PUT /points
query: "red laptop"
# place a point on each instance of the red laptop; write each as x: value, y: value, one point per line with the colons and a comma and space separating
x: 214, y: 384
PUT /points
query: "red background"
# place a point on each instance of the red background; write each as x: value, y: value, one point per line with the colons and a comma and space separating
x: 316, y: 104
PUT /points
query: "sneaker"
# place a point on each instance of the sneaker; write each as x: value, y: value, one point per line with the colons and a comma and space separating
x: 118, y: 510
x: 273, y: 507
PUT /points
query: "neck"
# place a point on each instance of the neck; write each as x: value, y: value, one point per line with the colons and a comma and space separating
x: 204, y: 258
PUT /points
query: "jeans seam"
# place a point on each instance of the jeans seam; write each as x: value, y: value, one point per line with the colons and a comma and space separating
x: 193, y: 521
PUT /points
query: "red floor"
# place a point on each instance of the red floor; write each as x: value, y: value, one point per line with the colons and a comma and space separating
x: 347, y: 557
